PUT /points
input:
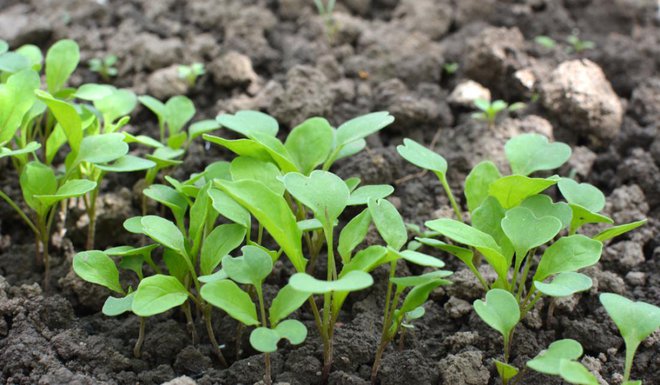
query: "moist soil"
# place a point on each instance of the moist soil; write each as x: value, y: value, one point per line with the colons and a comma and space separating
x: 275, y: 56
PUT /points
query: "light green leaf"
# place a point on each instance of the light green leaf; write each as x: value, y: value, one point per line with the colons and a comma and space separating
x: 478, y: 182
x: 421, y: 259
x: 505, y: 371
x: 575, y: 373
x: 361, y: 195
x: 565, y: 284
x: 229, y: 208
x: 583, y: 216
x: 202, y: 127
x: 310, y: 225
x: 117, y: 104
x: 526, y: 231
x: 92, y: 91
x: 461, y: 253
x: 389, y: 223
x: 248, y: 122
x: 66, y: 116
x: 293, y: 330
x: 419, y: 280
x: 500, y: 311
x: 127, y: 163
x: 242, y: 147
x: 353, y: 234
x: 350, y: 149
x: 250, y: 268
x: 422, y: 157
x: 353, y: 281
x: 568, y: 254
x: 12, y: 62
x: 582, y: 194
x: 615, y: 231
x: 164, y: 232
x: 37, y: 179
x: 168, y: 197
x: 549, y: 360
x: 61, y: 60
x: 33, y: 54
x: 488, y: 219
x: 178, y: 111
x: 158, y: 294
x: 244, y: 167
x: 314, y: 133
x: 265, y: 340
x: 134, y: 225
x: 418, y: 295
x: 511, y: 190
x: 276, y: 150
x: 361, y: 127
x: 366, y: 260
x: 117, y: 306
x: 102, y: 148
x: 220, y: 242
x: 217, y: 276
x: 532, y: 152
x: 155, y: 106
x: 30, y: 147
x: 16, y: 99
x: 227, y: 296
x: 72, y: 188
x: 286, y: 302
x: 96, y: 267
x: 542, y: 205
x: 323, y: 192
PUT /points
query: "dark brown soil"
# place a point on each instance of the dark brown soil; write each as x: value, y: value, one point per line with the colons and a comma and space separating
x: 387, y: 54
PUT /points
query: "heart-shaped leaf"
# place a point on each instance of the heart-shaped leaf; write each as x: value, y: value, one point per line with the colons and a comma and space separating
x: 615, y: 231
x: 542, y: 206
x: 250, y: 268
x: 582, y: 194
x: 500, y: 311
x: 389, y: 223
x: 164, y: 232
x: 265, y: 340
x: 361, y: 195
x: 248, y: 122
x: 526, y: 231
x: 323, y: 192
x: 565, y: 284
x: 286, y: 302
x: 422, y: 157
x: 511, y: 190
x: 532, y: 152
x: 353, y: 281
x: 96, y: 267
x: 549, y: 360
x: 220, y: 242
x: 575, y: 373
x: 477, y: 183
x: 488, y: 219
x: 158, y: 294
x: 70, y: 189
x: 314, y: 133
x: 568, y: 254
x: 117, y: 306
x: 267, y: 173
x: 227, y: 296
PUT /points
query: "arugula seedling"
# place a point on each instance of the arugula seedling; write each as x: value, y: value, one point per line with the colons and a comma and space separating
x: 545, y: 41
x: 325, y: 10
x: 578, y: 45
x: 489, y: 111
x: 252, y: 268
x: 191, y: 72
x: 450, y: 68
x: 560, y: 359
x: 511, y: 219
x: 105, y: 66
x: 635, y: 321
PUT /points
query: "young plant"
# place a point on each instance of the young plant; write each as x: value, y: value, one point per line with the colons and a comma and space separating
x: 252, y: 268
x: 489, y: 112
x: 578, y: 45
x: 191, y: 72
x: 635, y: 321
x: 105, y: 66
x: 560, y: 359
x: 450, y: 68
x: 545, y: 41
x: 511, y: 219
x: 325, y: 9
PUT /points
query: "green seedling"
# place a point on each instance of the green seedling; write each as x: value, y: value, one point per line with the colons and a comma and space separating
x: 578, y: 45
x: 511, y: 219
x: 635, y: 321
x: 560, y: 359
x: 191, y: 73
x: 489, y: 111
x: 450, y: 68
x: 392, y: 229
x: 325, y: 10
x: 251, y: 269
x: 545, y: 41
x: 105, y: 67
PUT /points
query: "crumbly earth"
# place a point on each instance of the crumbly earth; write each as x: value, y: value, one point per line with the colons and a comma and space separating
x: 274, y: 56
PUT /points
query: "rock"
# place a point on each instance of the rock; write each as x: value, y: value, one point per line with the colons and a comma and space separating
x: 233, y: 70
x: 19, y: 25
x: 430, y: 17
x: 636, y: 278
x: 579, y: 96
x: 165, y: 83
x: 157, y: 53
x: 625, y: 255
x: 183, y: 380
x: 306, y: 94
x: 645, y: 101
x: 465, y: 368
x: 460, y: 340
x: 466, y: 92
x: 457, y: 307
x: 638, y: 168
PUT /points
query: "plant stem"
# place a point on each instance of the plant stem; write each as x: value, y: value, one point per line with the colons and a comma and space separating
x: 630, y: 355
x: 328, y: 319
x: 376, y: 366
x: 450, y: 195
x: 390, y: 305
x: 19, y: 211
x: 523, y: 277
x: 137, y: 349
x: 189, y: 323
x: 91, y: 213
x: 209, y: 330
x: 264, y: 323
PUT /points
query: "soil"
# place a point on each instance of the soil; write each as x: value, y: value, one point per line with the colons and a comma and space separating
x: 274, y: 56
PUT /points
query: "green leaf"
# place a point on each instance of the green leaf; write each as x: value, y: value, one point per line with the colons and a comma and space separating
x: 4, y: 47
x: 70, y: 189
x: 250, y: 268
x: 61, y: 60
x: 565, y: 284
x: 361, y: 127
x: 500, y: 311
x: 66, y: 116
x: 96, y: 267
x: 511, y: 190
x: 116, y: 105
x: 365, y: 260
x: 37, y: 179
x: 286, y: 302
x: 265, y: 340
x: 353, y: 234
x: 418, y: 295
x: 168, y: 197
x: 568, y: 254
x: 293, y: 330
x: 276, y: 150
x: 488, y: 219
x: 30, y: 147
x: 478, y: 182
x: 202, y: 127
x: 526, y: 231
x: 582, y: 194
x: 33, y: 54
x: 273, y: 212
x: 227, y: 296
x: 102, y: 148
x: 549, y: 360
x: 361, y: 195
x: 155, y: 106
x: 164, y: 232
x: 158, y: 294
x: 229, y: 208
x: 314, y: 133
x: 350, y: 149
x: 635, y: 321
x: 419, y: 280
x: 217, y: 276
x: 422, y: 157
x: 143, y: 140
x: 127, y: 163
x: 353, y: 281
x: 583, y: 216
x: 532, y: 152
x: 542, y: 206
x: 178, y: 111
x: 220, y: 242
x: 615, y: 231
x: 505, y: 371
x: 461, y: 253
x: 389, y: 223
x: 421, y: 259
x: 92, y: 91
x: 117, y: 306
x: 575, y: 373
x: 244, y: 167
x: 248, y: 122
x: 134, y: 225
x: 12, y: 62
x: 310, y: 225
x: 242, y: 147
x: 323, y: 192
x: 16, y: 99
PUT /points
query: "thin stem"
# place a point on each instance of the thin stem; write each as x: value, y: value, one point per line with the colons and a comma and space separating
x: 91, y: 213
x: 523, y: 277
x: 450, y: 195
x: 264, y: 323
x: 209, y: 330
x: 260, y: 234
x: 189, y: 323
x: 327, y: 305
x: 137, y: 349
x: 630, y: 355
x: 19, y: 211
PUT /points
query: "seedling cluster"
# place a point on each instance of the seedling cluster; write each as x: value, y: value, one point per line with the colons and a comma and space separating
x: 223, y: 230
x: 489, y: 111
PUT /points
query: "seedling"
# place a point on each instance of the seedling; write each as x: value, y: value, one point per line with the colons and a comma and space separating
x: 560, y: 359
x: 511, y: 219
x: 105, y: 67
x: 489, y: 112
x: 450, y: 68
x: 191, y: 72
x: 635, y: 321
x: 545, y: 41
x: 325, y: 10
x: 578, y: 45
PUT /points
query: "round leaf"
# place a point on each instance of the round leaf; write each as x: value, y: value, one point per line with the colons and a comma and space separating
x: 353, y: 281
x: 158, y: 294
x: 250, y: 268
x: 164, y: 232
x: 565, y: 284
x: 96, y: 267
x: 227, y: 296
x: 568, y: 254
x: 248, y: 122
x: 532, y: 152
x: 422, y: 157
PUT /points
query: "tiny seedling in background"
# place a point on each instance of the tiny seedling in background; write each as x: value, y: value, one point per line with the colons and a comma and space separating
x: 545, y: 41
x: 578, y: 45
x: 490, y: 111
x: 191, y: 73
x: 325, y: 10
x: 105, y: 67
x: 450, y: 68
